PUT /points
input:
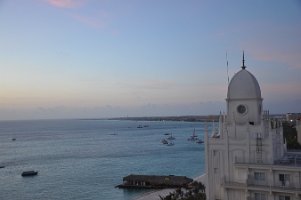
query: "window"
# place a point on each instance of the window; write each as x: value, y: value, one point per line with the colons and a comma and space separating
x: 281, y: 197
x: 284, y: 179
x: 241, y: 109
x: 260, y: 196
x: 259, y: 176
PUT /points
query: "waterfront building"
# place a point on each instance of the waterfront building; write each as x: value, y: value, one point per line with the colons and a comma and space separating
x: 247, y: 157
x: 154, y: 182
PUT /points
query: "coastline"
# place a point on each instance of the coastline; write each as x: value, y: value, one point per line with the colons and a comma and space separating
x: 154, y: 195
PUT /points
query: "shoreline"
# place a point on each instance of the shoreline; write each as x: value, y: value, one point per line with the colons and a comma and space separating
x: 154, y: 195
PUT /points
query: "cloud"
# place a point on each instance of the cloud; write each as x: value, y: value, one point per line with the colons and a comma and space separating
x: 266, y: 40
x: 95, y: 22
x: 263, y: 52
x: 149, y: 84
x: 65, y: 3
x: 157, y: 84
x: 281, y: 91
x: 276, y: 43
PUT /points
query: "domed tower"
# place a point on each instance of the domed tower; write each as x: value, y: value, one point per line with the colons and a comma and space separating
x: 244, y: 102
x: 243, y: 158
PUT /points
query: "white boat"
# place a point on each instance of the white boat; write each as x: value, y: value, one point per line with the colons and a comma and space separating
x: 170, y: 143
x: 164, y: 141
x: 171, y: 137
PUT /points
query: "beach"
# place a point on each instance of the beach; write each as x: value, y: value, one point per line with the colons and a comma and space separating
x: 155, y: 195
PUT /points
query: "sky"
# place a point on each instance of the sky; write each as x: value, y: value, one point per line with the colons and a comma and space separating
x: 118, y: 58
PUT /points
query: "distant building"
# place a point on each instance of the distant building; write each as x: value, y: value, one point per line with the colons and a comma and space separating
x: 247, y: 159
x: 293, y: 116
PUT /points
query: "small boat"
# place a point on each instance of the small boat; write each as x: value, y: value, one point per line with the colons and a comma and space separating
x: 29, y: 173
x: 13, y: 139
x: 164, y: 141
x: 140, y: 126
x: 193, y: 137
x: 166, y: 133
x: 199, y: 141
x: 2, y: 166
x: 170, y: 144
x: 171, y: 137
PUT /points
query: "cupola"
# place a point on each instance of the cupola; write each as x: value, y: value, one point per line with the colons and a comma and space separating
x: 244, y: 100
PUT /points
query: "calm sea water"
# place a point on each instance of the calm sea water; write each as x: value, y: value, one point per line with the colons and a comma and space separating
x: 85, y: 159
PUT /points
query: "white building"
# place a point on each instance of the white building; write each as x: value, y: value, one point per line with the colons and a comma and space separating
x: 247, y: 158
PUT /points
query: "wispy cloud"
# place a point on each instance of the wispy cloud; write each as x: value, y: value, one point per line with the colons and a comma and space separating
x: 95, y: 22
x: 65, y: 3
x: 276, y: 43
x: 282, y: 90
x: 153, y: 84
x: 291, y: 59
x: 266, y: 40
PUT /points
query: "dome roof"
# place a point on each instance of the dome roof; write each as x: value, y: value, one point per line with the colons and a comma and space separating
x: 243, y: 85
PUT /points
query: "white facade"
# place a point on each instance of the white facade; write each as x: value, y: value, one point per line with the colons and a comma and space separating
x: 247, y: 158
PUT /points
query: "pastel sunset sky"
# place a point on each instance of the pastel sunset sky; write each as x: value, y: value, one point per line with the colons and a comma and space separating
x: 116, y: 58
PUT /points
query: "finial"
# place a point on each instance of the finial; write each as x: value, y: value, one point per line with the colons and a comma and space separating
x: 243, y: 60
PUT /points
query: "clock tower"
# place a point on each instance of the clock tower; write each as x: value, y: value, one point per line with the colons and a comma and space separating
x: 244, y: 102
x: 245, y: 159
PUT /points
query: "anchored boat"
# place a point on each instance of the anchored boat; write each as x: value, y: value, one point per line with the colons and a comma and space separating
x: 29, y: 173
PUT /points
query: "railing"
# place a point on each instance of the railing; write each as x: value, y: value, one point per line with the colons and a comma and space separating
x: 252, y: 181
x: 250, y: 184
x: 289, y: 161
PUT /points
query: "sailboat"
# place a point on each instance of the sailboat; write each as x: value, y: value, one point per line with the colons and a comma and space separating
x: 193, y: 137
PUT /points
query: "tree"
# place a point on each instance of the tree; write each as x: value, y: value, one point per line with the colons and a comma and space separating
x: 195, y: 191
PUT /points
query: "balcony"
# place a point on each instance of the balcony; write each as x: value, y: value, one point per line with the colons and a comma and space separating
x: 251, y: 185
x: 287, y: 166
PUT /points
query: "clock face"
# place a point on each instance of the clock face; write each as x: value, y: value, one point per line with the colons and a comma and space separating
x: 241, y: 109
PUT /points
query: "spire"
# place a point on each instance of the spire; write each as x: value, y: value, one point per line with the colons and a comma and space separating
x: 243, y: 60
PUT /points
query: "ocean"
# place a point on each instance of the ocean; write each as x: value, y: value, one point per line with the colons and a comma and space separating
x: 86, y: 159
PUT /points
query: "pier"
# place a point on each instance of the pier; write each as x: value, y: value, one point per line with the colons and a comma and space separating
x: 154, y: 182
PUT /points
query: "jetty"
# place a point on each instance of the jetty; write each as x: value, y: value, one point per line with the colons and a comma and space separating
x: 154, y: 182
